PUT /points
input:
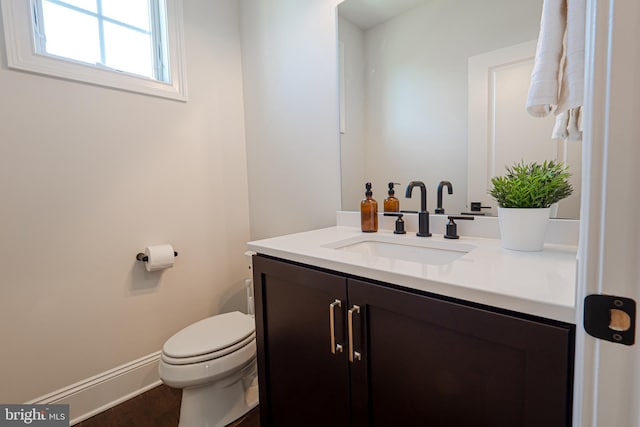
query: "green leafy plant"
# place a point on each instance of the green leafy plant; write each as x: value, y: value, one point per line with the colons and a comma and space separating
x: 531, y: 185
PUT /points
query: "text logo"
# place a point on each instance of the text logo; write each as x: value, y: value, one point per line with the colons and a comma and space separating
x: 34, y: 415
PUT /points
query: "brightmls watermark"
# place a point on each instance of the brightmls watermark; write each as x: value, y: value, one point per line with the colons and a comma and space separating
x: 34, y: 415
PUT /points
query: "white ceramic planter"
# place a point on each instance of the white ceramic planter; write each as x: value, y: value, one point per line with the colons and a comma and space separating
x: 523, y: 229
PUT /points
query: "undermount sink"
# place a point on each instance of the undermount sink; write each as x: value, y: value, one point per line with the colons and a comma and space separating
x: 412, y: 249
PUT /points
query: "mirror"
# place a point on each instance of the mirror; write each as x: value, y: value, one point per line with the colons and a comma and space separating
x: 408, y: 72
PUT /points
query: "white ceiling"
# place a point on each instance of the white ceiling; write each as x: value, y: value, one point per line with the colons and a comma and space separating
x: 369, y: 13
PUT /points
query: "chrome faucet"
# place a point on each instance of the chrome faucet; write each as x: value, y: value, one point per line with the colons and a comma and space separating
x: 439, y: 208
x: 423, y: 215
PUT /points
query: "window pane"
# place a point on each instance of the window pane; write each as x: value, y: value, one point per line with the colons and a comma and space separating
x: 132, y: 12
x: 89, y: 5
x: 71, y: 34
x: 128, y: 50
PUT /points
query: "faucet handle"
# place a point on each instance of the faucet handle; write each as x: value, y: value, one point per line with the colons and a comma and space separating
x: 477, y: 206
x: 399, y: 222
x: 452, y: 227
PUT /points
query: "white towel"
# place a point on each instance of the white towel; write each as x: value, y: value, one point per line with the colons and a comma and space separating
x: 561, y: 41
x: 574, y: 126
x: 572, y: 88
x: 568, y: 125
x: 561, y: 126
x: 544, y: 87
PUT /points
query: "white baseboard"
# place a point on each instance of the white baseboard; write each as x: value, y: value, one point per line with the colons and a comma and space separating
x: 93, y: 395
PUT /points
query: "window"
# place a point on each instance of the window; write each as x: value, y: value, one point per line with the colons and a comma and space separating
x: 135, y: 45
x: 121, y: 35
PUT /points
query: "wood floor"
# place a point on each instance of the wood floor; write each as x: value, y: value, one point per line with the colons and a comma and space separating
x: 158, y: 407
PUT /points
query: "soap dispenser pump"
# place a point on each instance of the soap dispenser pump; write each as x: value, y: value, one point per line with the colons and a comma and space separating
x: 369, y: 211
x: 391, y: 203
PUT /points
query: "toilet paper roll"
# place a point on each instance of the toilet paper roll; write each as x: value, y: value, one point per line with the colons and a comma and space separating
x: 160, y: 257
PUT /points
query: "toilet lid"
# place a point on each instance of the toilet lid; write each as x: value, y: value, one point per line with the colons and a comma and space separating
x: 209, y: 335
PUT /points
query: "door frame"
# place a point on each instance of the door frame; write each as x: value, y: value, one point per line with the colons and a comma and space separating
x: 607, y: 377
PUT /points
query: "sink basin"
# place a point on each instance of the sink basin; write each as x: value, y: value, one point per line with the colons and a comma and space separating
x: 403, y: 248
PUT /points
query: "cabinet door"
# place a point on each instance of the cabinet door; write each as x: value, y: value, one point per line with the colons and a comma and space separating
x: 302, y: 382
x: 430, y: 362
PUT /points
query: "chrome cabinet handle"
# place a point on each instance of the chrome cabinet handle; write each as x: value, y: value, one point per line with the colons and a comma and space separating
x: 332, y: 326
x: 353, y: 355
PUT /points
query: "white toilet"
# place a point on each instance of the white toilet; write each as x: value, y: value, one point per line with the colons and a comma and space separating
x: 214, y: 362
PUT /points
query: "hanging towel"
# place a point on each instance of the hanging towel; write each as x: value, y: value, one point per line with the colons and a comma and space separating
x: 560, y: 44
x: 544, y: 86
x: 572, y: 88
x: 568, y: 125
x: 574, y: 127
x: 561, y: 126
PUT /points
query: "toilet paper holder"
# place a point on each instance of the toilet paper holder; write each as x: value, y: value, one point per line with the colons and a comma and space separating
x: 142, y: 257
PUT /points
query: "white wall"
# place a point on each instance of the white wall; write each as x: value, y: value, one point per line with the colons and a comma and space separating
x: 416, y: 91
x: 88, y: 177
x: 291, y: 116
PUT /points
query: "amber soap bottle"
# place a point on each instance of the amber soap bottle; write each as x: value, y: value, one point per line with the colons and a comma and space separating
x: 369, y: 211
x: 391, y: 203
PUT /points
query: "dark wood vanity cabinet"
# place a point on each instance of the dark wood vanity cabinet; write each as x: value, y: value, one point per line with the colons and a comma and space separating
x: 417, y: 360
x: 302, y: 381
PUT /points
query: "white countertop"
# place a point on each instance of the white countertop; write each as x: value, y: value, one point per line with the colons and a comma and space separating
x: 537, y: 283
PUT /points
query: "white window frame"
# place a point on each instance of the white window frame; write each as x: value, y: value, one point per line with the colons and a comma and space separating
x: 20, y: 41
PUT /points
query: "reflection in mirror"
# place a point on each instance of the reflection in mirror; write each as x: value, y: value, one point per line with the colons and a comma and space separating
x: 435, y: 90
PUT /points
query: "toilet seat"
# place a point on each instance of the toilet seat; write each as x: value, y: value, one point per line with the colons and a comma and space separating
x: 208, y: 356
x: 209, y: 339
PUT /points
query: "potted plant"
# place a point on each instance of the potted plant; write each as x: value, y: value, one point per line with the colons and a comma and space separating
x: 525, y: 195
